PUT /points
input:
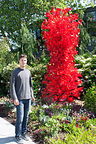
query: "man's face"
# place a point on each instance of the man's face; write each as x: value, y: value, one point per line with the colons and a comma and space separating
x: 23, y: 62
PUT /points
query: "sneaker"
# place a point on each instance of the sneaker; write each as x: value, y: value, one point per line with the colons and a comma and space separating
x: 19, y: 140
x: 25, y: 137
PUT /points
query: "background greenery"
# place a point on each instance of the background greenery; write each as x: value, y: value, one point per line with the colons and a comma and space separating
x: 20, y: 32
x: 20, y: 25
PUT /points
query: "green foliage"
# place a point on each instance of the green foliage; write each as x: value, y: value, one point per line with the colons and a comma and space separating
x: 83, y: 40
x: 91, y: 24
x: 56, y: 141
x: 54, y: 117
x: 77, y: 135
x: 76, y: 125
x: 54, y: 111
x: 5, y: 56
x: 6, y: 74
x: 13, y: 13
x: 31, y: 13
x: 28, y: 43
x: 86, y: 64
x: 6, y: 106
x: 93, y: 44
x: 57, y: 128
x: 44, y: 58
x: 7, y: 102
x: 82, y: 137
x: 90, y: 98
x: 37, y: 73
x: 33, y: 113
x: 53, y: 126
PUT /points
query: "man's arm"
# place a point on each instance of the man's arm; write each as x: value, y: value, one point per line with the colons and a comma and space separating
x: 31, y: 87
x: 12, y: 89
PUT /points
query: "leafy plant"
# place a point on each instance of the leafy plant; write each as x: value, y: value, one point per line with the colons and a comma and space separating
x: 33, y: 113
x: 53, y: 126
x: 86, y: 64
x: 57, y: 140
x: 32, y: 14
x: 6, y: 106
x: 37, y: 73
x: 6, y: 102
x: 6, y: 74
x: 81, y: 137
x: 90, y: 98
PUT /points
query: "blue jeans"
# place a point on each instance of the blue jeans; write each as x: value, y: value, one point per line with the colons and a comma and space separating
x: 22, y: 111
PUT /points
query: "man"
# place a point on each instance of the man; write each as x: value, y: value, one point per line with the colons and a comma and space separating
x: 21, y: 91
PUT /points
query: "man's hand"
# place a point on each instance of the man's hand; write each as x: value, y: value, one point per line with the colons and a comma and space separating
x: 16, y: 102
x: 33, y: 99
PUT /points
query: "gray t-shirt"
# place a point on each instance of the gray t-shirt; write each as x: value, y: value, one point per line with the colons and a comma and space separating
x: 21, y: 85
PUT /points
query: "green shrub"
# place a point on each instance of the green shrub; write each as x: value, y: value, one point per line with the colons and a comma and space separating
x: 56, y: 141
x: 7, y: 102
x: 37, y: 73
x: 5, y: 76
x: 86, y: 64
x: 80, y: 137
x: 90, y: 98
x: 56, y: 122
x: 33, y: 113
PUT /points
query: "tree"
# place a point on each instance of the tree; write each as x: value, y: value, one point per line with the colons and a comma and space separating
x: 28, y: 43
x: 5, y: 58
x: 13, y: 13
x: 31, y: 13
x: 5, y: 55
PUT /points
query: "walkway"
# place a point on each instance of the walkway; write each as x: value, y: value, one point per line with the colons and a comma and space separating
x: 7, y: 133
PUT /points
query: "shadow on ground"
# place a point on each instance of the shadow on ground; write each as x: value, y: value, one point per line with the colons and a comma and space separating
x: 7, y: 140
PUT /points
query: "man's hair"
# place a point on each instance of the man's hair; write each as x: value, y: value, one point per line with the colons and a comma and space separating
x: 23, y: 56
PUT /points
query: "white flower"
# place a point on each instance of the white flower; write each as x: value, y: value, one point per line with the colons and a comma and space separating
x: 45, y: 106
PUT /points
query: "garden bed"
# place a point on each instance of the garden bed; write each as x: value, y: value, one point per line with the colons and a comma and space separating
x: 34, y: 125
x: 46, y: 122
